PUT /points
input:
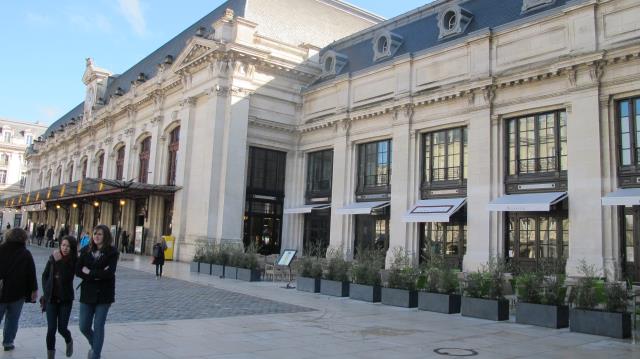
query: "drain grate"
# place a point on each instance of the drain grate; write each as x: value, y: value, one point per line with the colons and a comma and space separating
x: 456, y: 352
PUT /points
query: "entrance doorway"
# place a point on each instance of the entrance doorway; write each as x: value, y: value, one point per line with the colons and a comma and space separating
x: 317, y: 225
x: 630, y: 242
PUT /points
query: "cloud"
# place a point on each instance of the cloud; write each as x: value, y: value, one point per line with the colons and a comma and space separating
x: 133, y: 13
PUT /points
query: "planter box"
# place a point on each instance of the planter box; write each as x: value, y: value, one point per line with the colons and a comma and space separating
x: 194, y: 267
x: 440, y: 303
x: 311, y: 285
x: 217, y: 270
x: 205, y: 268
x: 399, y: 297
x: 549, y: 316
x: 230, y: 272
x: 366, y: 293
x: 485, y: 308
x: 615, y: 325
x: 334, y: 288
x: 248, y: 275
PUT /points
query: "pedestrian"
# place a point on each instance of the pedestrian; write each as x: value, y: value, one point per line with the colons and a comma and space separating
x: 40, y: 234
x: 57, y: 288
x: 125, y: 242
x: 97, y: 268
x: 84, y: 240
x: 50, y: 233
x: 19, y: 283
x: 158, y: 256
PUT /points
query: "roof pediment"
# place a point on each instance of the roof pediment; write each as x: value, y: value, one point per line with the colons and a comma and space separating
x: 93, y: 72
x: 196, y: 50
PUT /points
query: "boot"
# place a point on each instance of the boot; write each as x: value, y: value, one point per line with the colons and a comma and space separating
x: 51, y: 354
x: 69, y: 349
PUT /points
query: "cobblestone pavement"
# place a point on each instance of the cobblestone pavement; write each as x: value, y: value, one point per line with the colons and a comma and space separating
x: 140, y: 297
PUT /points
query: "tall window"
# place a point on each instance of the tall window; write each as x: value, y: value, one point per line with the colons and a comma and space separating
x: 319, y: 173
x: 537, y: 144
x: 445, y: 155
x: 145, y: 154
x: 29, y: 140
x: 4, y: 159
x: 59, y: 176
x: 84, y: 169
x: 23, y: 180
x: 174, y: 145
x: 267, y: 170
x: 100, y: 165
x: 120, y: 164
x: 70, y: 179
x: 3, y: 176
x: 448, y: 240
x: 7, y: 137
x: 374, y: 166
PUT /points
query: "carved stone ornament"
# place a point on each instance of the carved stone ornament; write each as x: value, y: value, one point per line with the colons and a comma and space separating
x: 572, y: 76
x: 489, y: 94
x: 129, y: 131
x: 596, y: 70
x: 188, y: 102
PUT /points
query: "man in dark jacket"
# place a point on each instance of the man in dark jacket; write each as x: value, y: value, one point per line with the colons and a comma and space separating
x: 50, y: 233
x: 19, y: 282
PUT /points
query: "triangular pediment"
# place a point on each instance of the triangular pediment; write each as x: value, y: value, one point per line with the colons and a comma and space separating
x: 196, y: 49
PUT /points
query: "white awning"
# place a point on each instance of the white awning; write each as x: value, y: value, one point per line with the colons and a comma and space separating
x: 361, y: 207
x: 306, y: 208
x: 530, y: 202
x: 622, y: 197
x: 434, y: 210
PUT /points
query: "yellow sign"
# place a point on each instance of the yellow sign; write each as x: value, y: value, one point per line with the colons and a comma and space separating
x: 64, y: 186
x: 168, y: 253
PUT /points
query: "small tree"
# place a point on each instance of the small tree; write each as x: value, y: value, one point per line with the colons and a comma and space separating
x: 402, y: 274
x: 366, y: 268
x: 337, y: 266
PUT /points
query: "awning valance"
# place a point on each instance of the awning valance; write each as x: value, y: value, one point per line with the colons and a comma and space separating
x: 622, y: 197
x: 362, y: 207
x: 434, y: 210
x: 306, y: 208
x: 530, y: 202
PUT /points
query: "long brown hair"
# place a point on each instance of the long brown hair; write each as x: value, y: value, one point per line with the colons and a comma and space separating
x: 107, y: 238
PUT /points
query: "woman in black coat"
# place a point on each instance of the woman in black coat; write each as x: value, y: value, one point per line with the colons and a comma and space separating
x: 97, y: 268
x: 57, y: 286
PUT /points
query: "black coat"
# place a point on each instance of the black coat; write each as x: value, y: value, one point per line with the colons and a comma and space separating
x: 19, y: 272
x: 65, y: 271
x: 99, y: 286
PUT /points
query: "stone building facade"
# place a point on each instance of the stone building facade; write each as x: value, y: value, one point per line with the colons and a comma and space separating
x: 15, y: 137
x: 467, y: 128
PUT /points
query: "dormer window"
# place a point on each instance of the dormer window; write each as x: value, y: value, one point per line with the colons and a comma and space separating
x: 385, y: 44
x: 453, y: 20
x: 530, y: 5
x: 332, y: 63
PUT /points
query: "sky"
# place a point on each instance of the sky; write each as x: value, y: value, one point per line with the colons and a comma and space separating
x: 44, y: 44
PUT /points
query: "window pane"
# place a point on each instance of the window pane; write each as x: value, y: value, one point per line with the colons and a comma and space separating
x: 565, y: 237
x: 465, y: 155
x: 625, y: 134
x: 427, y: 157
x: 527, y: 238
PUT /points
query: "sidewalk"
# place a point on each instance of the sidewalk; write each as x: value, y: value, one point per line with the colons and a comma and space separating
x: 337, y: 328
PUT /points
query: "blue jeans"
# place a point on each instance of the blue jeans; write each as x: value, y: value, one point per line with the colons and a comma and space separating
x: 13, y: 311
x: 96, y: 315
x: 58, y: 319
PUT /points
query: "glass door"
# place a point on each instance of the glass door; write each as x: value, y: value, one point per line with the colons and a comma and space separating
x: 630, y: 234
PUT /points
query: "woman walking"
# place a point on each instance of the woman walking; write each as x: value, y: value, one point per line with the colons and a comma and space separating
x: 158, y: 257
x: 57, y: 286
x: 97, y: 268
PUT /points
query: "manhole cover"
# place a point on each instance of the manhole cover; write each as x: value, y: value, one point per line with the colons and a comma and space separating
x: 456, y: 352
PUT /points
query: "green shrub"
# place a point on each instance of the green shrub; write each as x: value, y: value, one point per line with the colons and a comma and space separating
x: 200, y: 253
x: 554, y: 291
x: 250, y: 258
x: 487, y: 282
x: 529, y: 287
x: 584, y: 294
x: 309, y: 267
x: 337, y: 266
x: 436, y: 277
x: 366, y: 269
x: 616, y: 297
x: 402, y: 275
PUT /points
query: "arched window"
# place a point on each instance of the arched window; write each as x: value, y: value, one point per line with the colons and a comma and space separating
x: 70, y: 178
x: 174, y: 144
x: 100, y: 165
x: 120, y: 164
x: 83, y: 174
x: 50, y: 178
x: 145, y: 154
x: 59, y: 176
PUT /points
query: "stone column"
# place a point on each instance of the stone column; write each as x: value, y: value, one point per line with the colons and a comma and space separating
x: 480, y: 239
x: 584, y: 169
x: 293, y: 224
x: 401, y: 234
x: 341, y: 233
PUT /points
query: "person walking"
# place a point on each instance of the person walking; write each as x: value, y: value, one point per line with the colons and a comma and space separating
x: 158, y: 256
x: 50, y: 233
x: 19, y: 282
x: 40, y: 234
x: 57, y: 288
x: 97, y: 268
x: 125, y: 242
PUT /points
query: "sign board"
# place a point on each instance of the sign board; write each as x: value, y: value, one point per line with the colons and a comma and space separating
x: 168, y: 253
x: 138, y: 240
x: 286, y: 257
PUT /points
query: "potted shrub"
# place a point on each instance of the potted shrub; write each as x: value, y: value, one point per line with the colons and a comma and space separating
x: 588, y: 315
x: 220, y: 258
x: 309, y: 273
x: 439, y: 288
x: 335, y: 281
x: 401, y: 286
x: 236, y: 258
x: 249, y: 269
x: 541, y: 300
x: 365, y: 276
x: 483, y: 294
x: 198, y: 257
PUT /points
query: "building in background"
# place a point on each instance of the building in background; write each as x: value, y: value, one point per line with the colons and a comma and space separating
x: 15, y: 138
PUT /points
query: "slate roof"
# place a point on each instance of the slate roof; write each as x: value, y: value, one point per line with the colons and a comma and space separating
x: 422, y: 33
x: 149, y: 64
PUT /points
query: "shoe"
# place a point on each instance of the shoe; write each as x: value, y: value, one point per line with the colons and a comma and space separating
x: 69, y: 349
x: 9, y: 347
x: 90, y: 354
x: 51, y: 354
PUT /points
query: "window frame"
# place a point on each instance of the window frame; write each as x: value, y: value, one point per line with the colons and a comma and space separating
x: 312, y: 191
x: 120, y: 163
x: 364, y: 191
x: 173, y: 148
x: 430, y: 187
x: 263, y: 187
x: 144, y: 157
x: 628, y: 175
x: 454, y: 260
x: 100, y: 167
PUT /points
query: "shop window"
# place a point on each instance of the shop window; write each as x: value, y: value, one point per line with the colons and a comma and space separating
x: 372, y: 231
x: 374, y: 167
x: 319, y: 174
x: 445, y: 240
